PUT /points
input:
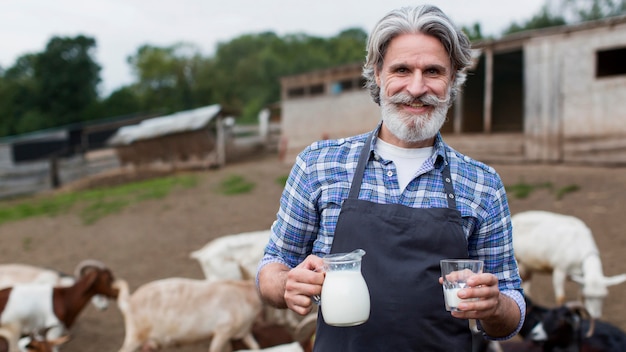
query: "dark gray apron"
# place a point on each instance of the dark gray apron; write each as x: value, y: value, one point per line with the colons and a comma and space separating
x: 401, y: 267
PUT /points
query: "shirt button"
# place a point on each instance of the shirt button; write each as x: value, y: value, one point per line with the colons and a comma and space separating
x: 389, y: 173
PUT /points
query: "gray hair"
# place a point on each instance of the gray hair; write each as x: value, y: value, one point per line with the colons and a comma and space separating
x: 426, y: 19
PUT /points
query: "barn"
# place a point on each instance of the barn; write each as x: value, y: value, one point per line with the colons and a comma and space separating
x: 182, y: 137
x: 546, y: 96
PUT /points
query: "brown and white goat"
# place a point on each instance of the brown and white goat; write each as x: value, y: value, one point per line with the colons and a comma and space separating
x: 27, y: 308
x: 12, y: 274
x: 174, y: 311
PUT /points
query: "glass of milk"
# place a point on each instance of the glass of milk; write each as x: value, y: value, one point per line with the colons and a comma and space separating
x: 345, y: 298
x: 455, y: 273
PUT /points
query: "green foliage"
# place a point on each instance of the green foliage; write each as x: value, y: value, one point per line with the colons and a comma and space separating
x: 545, y: 18
x: 95, y: 204
x: 522, y: 190
x: 235, y: 184
x: 67, y: 77
x: 561, y: 192
x: 282, y: 180
x: 561, y: 12
x: 51, y: 88
x: 473, y: 33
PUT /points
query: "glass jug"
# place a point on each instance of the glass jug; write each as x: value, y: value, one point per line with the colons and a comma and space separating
x: 345, y: 299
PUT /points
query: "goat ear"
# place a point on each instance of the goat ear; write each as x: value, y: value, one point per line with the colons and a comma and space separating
x: 614, y: 280
x: 579, y: 279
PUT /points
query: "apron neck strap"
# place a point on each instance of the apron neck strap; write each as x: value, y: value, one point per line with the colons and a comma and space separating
x: 360, y: 168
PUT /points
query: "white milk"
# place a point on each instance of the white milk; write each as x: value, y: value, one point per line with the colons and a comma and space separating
x: 452, y: 297
x: 345, y: 298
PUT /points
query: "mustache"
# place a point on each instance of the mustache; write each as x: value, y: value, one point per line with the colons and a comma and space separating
x: 426, y: 99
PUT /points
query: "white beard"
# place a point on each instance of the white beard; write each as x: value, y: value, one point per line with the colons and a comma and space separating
x: 412, y: 128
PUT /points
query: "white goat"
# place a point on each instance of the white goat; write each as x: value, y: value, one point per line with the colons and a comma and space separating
x: 182, y: 311
x: 225, y: 257
x: 563, y: 245
x: 27, y: 308
x: 236, y: 257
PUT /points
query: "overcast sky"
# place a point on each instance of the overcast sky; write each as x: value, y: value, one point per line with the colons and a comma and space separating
x: 120, y: 27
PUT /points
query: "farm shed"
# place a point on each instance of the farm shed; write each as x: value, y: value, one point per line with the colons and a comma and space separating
x: 549, y: 96
x: 182, y: 137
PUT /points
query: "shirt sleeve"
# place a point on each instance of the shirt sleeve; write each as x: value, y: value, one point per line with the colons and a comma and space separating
x: 519, y: 299
x: 493, y: 243
x: 297, y: 220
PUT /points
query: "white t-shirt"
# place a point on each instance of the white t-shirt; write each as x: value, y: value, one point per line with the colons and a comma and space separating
x: 407, y: 160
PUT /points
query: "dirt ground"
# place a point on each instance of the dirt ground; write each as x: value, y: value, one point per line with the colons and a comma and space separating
x: 152, y: 240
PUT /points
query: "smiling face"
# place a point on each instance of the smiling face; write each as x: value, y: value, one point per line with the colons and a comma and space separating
x: 415, y: 81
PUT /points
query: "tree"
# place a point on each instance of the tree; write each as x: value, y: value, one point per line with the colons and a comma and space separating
x: 589, y: 10
x: 561, y: 12
x: 19, y: 98
x: 166, y: 76
x: 544, y: 19
x: 67, y: 77
x: 474, y: 32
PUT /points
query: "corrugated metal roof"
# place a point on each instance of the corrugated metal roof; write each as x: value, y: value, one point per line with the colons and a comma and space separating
x: 183, y: 121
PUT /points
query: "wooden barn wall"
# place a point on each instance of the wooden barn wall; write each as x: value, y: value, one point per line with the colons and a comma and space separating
x: 571, y: 115
x: 171, y: 149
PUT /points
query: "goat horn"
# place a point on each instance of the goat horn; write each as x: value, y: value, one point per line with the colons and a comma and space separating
x: 78, y: 272
x: 580, y: 307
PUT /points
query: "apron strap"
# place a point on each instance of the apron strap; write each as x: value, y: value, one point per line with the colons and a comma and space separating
x: 447, y: 186
x: 360, y: 168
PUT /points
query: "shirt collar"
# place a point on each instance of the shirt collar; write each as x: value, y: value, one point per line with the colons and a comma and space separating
x: 438, y: 157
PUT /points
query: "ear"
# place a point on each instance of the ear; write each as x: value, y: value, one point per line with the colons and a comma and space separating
x: 614, y: 280
x: 377, y: 76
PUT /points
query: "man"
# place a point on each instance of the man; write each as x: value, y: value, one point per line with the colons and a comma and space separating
x: 405, y: 197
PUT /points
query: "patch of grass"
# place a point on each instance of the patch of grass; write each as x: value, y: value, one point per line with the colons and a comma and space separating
x: 522, y: 189
x: 97, y: 210
x: 235, y: 184
x: 26, y: 243
x: 561, y: 192
x: 97, y: 203
x: 282, y: 180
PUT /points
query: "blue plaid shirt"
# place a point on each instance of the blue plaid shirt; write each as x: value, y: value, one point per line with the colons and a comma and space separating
x: 320, y: 180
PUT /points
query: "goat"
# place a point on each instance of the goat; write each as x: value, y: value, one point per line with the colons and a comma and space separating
x: 17, y: 273
x: 26, y: 308
x: 232, y: 256
x: 182, y: 311
x: 278, y: 338
x: 236, y: 257
x: 563, y: 245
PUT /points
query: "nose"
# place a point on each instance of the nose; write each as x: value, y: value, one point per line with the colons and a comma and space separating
x: 416, y: 86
